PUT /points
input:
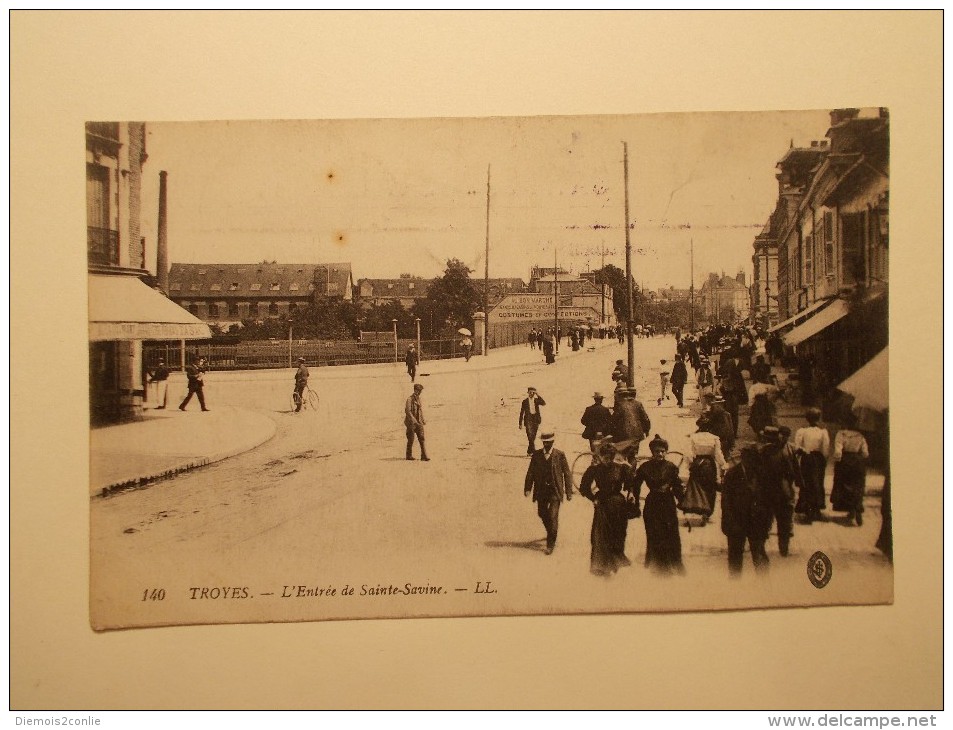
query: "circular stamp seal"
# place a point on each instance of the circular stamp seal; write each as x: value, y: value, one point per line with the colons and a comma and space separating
x: 819, y: 569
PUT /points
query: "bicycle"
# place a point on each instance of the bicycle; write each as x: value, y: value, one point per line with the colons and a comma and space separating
x: 307, y: 399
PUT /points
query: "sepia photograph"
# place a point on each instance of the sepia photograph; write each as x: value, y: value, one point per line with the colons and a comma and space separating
x: 393, y: 368
x: 469, y: 360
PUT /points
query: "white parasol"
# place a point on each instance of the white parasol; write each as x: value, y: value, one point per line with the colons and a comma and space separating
x: 464, y: 331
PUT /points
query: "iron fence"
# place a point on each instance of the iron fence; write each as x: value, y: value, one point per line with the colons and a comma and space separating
x: 264, y: 354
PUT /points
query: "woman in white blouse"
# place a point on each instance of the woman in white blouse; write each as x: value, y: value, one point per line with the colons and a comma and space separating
x: 850, y: 473
x: 708, y: 463
x: 813, y: 445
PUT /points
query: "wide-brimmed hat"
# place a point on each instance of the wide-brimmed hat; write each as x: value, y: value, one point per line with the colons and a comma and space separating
x: 598, y: 395
x: 770, y: 433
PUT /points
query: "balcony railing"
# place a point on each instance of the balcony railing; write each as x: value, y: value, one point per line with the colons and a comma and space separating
x: 102, y: 246
x: 104, y: 130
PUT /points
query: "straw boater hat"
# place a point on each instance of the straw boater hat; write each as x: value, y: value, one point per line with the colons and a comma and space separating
x: 548, y: 436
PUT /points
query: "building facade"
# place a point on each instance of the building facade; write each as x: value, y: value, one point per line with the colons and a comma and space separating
x: 833, y: 234
x: 226, y: 294
x: 123, y: 309
x: 723, y: 299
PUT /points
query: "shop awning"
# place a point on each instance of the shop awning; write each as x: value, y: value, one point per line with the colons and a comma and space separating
x: 820, y: 321
x: 800, y: 315
x: 124, y: 308
x: 869, y: 384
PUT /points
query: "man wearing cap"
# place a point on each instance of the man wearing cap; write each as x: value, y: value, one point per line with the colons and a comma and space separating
x: 301, y: 382
x: 549, y: 478
x: 160, y: 376
x: 630, y: 422
x: 412, y: 359
x: 597, y: 419
x: 414, y: 422
x: 531, y: 417
x: 195, y: 374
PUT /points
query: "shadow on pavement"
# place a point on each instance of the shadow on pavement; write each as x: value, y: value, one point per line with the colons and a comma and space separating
x: 536, y: 545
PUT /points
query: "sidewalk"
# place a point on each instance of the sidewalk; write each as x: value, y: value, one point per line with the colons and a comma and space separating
x: 169, y: 441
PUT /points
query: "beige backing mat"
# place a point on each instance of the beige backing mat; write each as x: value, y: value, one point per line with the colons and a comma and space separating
x: 67, y: 68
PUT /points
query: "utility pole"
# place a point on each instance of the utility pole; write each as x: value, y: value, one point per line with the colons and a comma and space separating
x: 691, y: 288
x: 486, y: 272
x: 630, y: 381
x: 555, y: 299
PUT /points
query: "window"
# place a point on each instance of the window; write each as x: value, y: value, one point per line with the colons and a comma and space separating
x: 194, y: 309
x: 293, y: 286
x: 410, y: 285
x: 233, y: 309
x: 275, y: 286
x: 273, y: 308
x: 828, y: 229
x: 202, y: 272
x: 193, y: 287
x: 256, y: 287
x: 213, y: 310
x: 808, y: 260
x: 216, y: 287
x: 233, y: 286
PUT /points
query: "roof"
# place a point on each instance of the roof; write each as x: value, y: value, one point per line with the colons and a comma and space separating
x: 259, y: 281
x: 415, y: 287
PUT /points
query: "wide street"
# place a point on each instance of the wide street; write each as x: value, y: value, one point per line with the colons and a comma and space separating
x: 331, y: 502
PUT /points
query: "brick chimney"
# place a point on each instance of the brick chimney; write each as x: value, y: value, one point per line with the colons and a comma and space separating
x: 162, y: 246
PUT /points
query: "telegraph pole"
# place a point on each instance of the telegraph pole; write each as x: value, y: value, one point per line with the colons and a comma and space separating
x: 555, y: 300
x: 691, y: 288
x: 628, y: 269
x: 486, y: 272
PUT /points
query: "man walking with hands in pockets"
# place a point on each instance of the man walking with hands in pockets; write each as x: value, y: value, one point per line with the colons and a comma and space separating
x: 414, y: 422
x: 549, y: 478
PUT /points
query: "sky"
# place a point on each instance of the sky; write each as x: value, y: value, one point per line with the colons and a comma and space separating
x: 401, y: 196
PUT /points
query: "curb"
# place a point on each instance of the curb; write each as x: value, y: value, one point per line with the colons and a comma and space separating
x: 122, y: 485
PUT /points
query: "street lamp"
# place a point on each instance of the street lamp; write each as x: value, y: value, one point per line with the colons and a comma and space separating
x: 290, y: 330
x: 396, y: 357
x: 417, y: 322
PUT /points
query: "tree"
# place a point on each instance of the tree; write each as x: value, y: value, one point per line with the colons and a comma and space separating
x: 451, y: 299
x: 614, y: 277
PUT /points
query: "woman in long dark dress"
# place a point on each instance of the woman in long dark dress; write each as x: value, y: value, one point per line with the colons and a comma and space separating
x: 663, y: 545
x: 604, y: 483
x: 850, y: 472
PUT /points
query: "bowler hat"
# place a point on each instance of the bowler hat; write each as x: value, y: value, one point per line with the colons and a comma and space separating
x: 418, y: 387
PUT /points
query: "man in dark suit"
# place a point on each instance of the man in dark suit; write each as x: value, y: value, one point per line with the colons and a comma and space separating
x: 530, y: 417
x: 549, y: 478
x: 630, y: 423
x: 597, y: 420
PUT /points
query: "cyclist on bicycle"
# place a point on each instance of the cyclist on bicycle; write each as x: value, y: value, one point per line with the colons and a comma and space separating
x: 301, y: 382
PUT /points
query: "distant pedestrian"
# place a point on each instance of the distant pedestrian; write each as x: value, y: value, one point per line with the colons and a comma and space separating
x: 530, y: 417
x: 160, y: 377
x: 850, y: 472
x: 549, y: 349
x: 705, y: 471
x: 679, y: 378
x: 539, y: 338
x: 414, y: 423
x: 719, y: 423
x: 549, y: 479
x: 195, y: 374
x: 467, y: 344
x: 597, y: 420
x: 663, y: 545
x: 760, y: 370
x: 531, y: 339
x: 412, y: 359
x: 812, y: 444
x: 704, y: 378
x: 744, y: 516
x: 762, y: 413
x: 607, y: 484
x: 663, y: 382
x: 301, y: 382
